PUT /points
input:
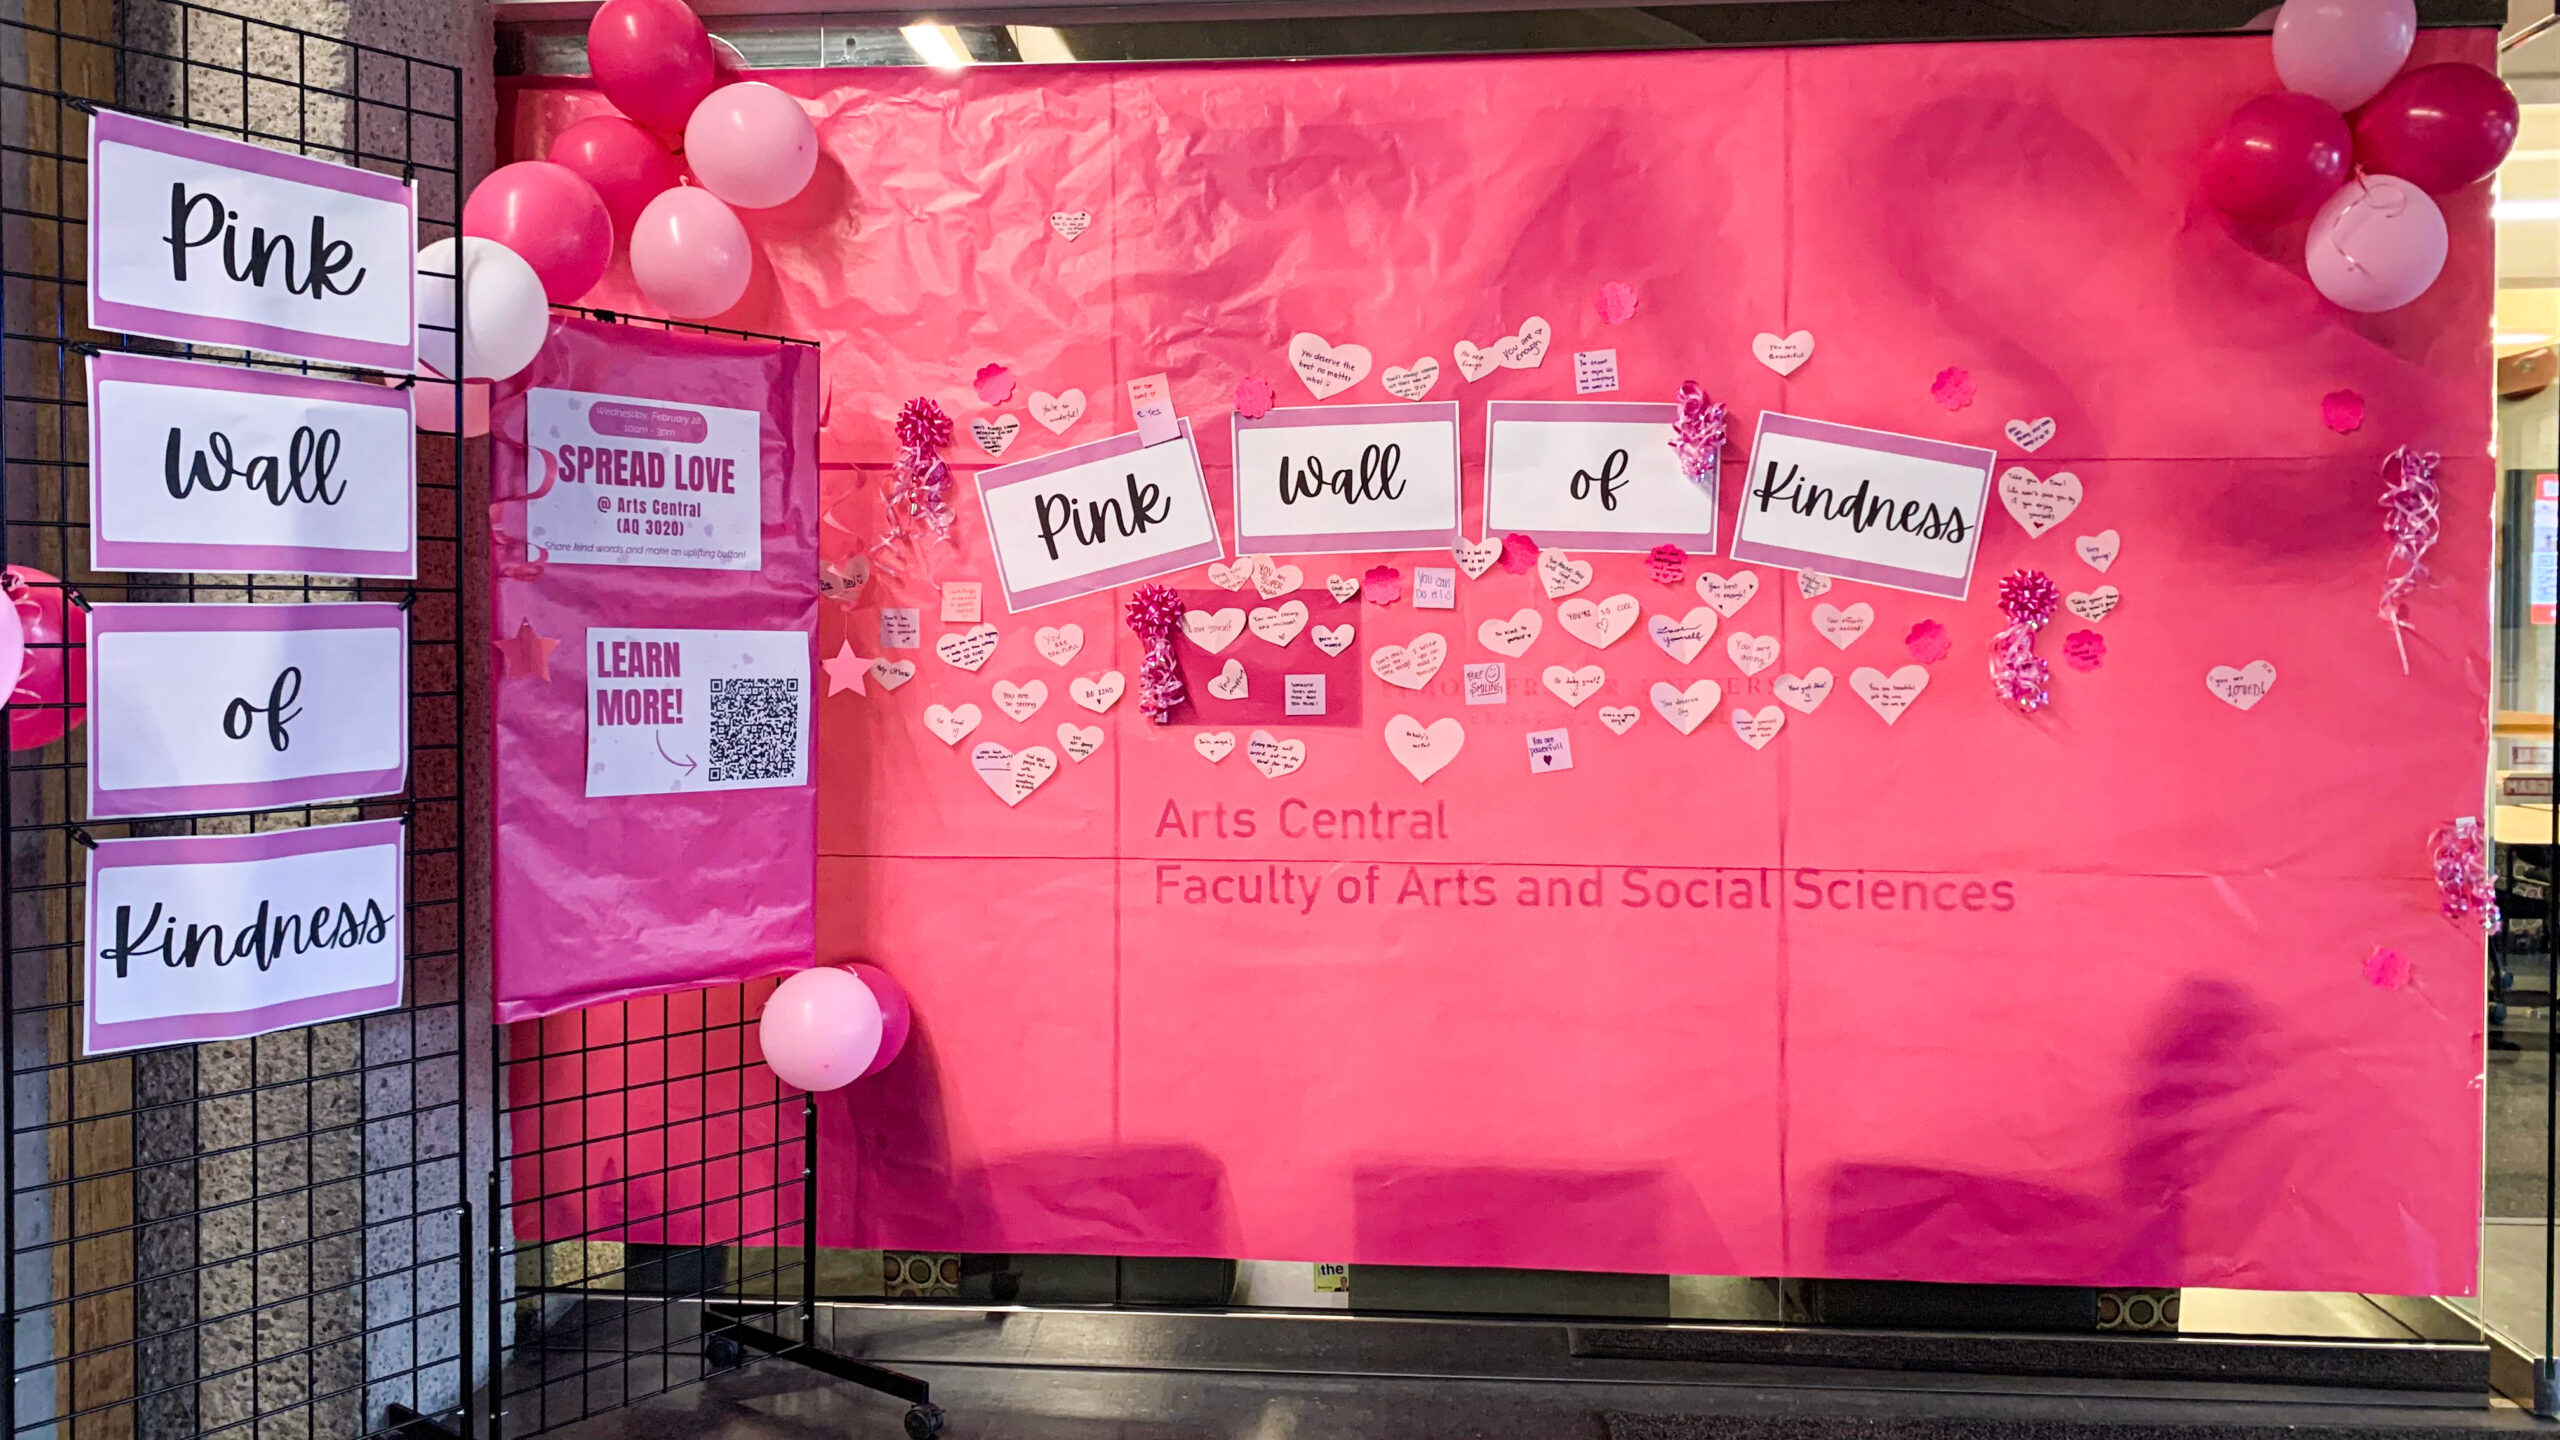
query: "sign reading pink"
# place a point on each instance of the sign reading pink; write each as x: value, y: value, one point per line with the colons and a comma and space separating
x: 219, y: 937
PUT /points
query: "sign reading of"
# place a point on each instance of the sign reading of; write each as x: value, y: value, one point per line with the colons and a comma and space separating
x: 1592, y: 475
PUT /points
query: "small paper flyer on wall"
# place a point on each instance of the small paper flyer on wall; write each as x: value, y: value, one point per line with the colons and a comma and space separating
x: 676, y: 710
x: 627, y: 481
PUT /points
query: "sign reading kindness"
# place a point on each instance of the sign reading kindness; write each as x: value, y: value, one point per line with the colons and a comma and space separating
x: 218, y: 937
x: 1335, y: 480
x: 1114, y: 512
x: 1867, y: 505
x: 1592, y: 475
x: 217, y: 242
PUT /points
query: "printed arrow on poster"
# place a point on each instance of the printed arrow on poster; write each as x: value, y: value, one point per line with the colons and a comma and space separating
x: 689, y: 763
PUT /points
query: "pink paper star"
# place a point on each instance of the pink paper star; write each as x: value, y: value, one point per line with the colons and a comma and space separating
x: 525, y: 653
x: 846, y: 671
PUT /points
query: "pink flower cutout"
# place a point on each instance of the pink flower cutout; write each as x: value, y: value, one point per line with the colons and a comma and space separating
x: 2342, y: 411
x: 995, y: 384
x: 1616, y: 303
x: 2084, y: 650
x: 1667, y: 562
x: 1953, y: 389
x: 1927, y: 642
x: 1383, y: 585
x: 2386, y: 968
x: 1253, y: 397
x: 1519, y: 554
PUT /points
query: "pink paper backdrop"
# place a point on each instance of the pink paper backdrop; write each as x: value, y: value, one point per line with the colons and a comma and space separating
x: 2157, y: 1062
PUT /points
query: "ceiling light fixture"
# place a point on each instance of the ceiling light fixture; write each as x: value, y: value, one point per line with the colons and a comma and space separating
x: 937, y: 45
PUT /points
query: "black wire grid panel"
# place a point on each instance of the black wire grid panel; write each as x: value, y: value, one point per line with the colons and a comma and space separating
x: 252, y: 1238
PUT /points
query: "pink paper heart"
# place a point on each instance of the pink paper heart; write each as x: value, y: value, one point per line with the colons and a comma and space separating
x: 1616, y: 303
x: 1927, y: 642
x: 1384, y: 585
x: 1253, y: 397
x: 995, y: 384
x: 2342, y: 411
x: 1953, y: 389
x: 1519, y: 554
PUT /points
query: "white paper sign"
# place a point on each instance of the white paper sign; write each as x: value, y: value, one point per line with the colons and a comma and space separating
x: 216, y: 937
x: 631, y: 481
x: 1592, y: 475
x: 1347, y: 479
x: 1087, y: 518
x: 198, y: 708
x: 1865, y: 505
x: 671, y: 711
x: 200, y: 238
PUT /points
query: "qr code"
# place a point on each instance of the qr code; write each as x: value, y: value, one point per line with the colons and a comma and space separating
x: 755, y: 728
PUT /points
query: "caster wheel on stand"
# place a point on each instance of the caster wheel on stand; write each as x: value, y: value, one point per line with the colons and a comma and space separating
x: 924, y: 1422
x: 722, y: 1352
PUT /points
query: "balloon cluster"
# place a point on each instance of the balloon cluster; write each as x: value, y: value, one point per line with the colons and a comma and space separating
x: 824, y: 1028
x: 541, y: 232
x: 2358, y: 144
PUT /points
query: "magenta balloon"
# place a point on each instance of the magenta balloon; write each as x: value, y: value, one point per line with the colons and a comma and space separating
x: 2439, y: 127
x: 2276, y: 159
x: 52, y: 690
x: 2343, y: 51
x: 690, y: 254
x: 628, y: 166
x: 751, y: 145
x: 896, y: 1017
x: 2377, y: 245
x: 652, y: 59
x: 549, y: 215
x: 821, y: 1029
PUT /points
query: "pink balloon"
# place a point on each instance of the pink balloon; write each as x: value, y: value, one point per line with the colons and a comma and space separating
x: 2277, y: 159
x: 2343, y: 51
x: 896, y: 1017
x: 751, y: 145
x: 2439, y: 127
x: 690, y: 254
x: 2377, y: 245
x: 624, y: 162
x: 51, y: 694
x: 652, y: 59
x: 549, y: 215
x: 821, y: 1029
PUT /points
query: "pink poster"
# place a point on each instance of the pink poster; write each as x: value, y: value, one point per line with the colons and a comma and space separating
x: 1701, y: 917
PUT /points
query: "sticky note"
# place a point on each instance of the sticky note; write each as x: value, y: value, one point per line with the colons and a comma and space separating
x: 1435, y: 589
x: 1550, y: 750
x: 1151, y: 406
x: 1594, y: 371
x: 901, y: 629
x: 960, y: 601
x: 1303, y: 695
x: 1486, y: 684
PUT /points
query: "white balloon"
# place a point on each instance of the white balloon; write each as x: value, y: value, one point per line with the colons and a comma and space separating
x: 2376, y: 245
x: 509, y: 316
x: 2343, y: 51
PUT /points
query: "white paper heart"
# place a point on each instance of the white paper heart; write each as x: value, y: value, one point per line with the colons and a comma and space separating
x: 968, y: 648
x: 2029, y: 435
x: 1843, y: 627
x: 1214, y: 745
x: 1021, y: 701
x: 1411, y: 383
x: 1560, y: 574
x: 1230, y: 681
x: 1599, y: 623
x: 1751, y: 654
x: 1804, y: 692
x: 1271, y: 580
x: 2039, y: 504
x: 1343, y: 588
x: 1573, y: 686
x: 2093, y: 605
x: 1889, y: 695
x: 1758, y: 730
x: 1684, y: 638
x: 1333, y: 640
x: 1232, y: 577
x: 844, y: 579
x: 1620, y: 718
x: 2100, y: 550
x: 1473, y: 363
x: 1784, y: 353
x: 1057, y: 411
x: 1279, y: 625
x: 1013, y: 776
x: 1411, y: 665
x: 1524, y: 349
x: 1685, y: 709
x: 1097, y: 693
x: 951, y: 726
x: 1079, y: 741
x: 1476, y: 556
x: 1213, y: 631
x: 1424, y: 750
x: 1070, y: 223
x: 1514, y: 636
x: 994, y: 435
x: 1328, y: 369
x: 1273, y: 756
x: 893, y: 673
x: 1728, y: 594
x: 2243, y: 688
x: 1058, y: 644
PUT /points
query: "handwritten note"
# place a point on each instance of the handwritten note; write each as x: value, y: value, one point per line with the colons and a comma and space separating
x: 901, y: 628
x: 1594, y: 371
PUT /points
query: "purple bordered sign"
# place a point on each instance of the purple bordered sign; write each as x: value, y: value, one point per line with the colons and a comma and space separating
x: 217, y: 242
x: 218, y: 467
x: 1113, y: 512
x: 219, y: 937
x: 1869, y: 505
x: 1592, y: 475
x: 1347, y: 479
x: 198, y: 708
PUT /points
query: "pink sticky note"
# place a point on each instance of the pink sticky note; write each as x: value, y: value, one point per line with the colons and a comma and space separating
x: 1151, y: 405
